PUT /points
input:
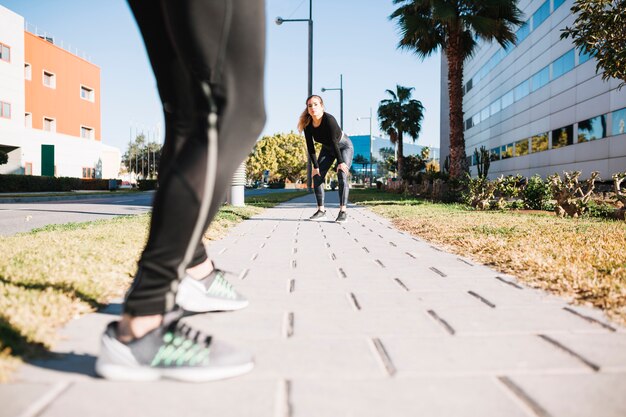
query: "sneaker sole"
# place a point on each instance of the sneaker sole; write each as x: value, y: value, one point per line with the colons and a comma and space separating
x: 116, y: 372
x: 319, y: 219
x: 204, y: 306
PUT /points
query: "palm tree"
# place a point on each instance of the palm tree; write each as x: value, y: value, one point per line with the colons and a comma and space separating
x: 454, y: 26
x: 399, y: 115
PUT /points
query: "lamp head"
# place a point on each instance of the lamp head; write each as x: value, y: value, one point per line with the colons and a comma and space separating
x: 323, y: 89
x: 279, y: 20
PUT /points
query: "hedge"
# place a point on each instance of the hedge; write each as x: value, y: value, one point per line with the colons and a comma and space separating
x: 26, y: 183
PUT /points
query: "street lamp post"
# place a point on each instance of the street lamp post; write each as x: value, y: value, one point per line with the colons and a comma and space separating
x: 280, y: 21
x: 371, y: 141
x: 340, y: 89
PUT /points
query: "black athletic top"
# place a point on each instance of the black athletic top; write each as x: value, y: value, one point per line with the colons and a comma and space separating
x: 328, y: 133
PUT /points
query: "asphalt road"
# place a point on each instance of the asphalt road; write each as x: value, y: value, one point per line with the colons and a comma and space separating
x: 23, y: 217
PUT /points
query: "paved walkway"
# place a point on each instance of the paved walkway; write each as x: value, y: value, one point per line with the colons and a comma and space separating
x: 359, y: 320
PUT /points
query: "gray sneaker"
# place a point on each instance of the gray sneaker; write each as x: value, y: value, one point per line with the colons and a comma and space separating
x: 342, y: 217
x: 318, y: 215
x: 174, y: 351
x: 212, y: 293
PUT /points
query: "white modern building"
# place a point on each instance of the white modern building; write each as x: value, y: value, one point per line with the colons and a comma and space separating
x: 49, y: 107
x: 539, y: 107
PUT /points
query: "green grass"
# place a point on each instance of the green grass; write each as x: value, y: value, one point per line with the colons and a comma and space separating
x: 582, y: 259
x: 55, y: 273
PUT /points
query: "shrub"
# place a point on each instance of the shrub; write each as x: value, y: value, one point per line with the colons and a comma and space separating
x: 145, y: 185
x: 34, y: 183
x: 536, y: 193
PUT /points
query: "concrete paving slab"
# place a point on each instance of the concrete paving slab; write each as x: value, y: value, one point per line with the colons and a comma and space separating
x: 432, y: 397
x: 573, y: 395
x: 402, y: 328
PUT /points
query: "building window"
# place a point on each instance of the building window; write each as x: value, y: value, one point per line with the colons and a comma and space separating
x: 49, y: 124
x: 619, y: 122
x: 484, y: 113
x: 507, y: 99
x: 494, y: 154
x: 86, y: 132
x: 562, y: 137
x: 541, y: 14
x: 592, y: 129
x: 495, y: 107
x: 506, y: 151
x: 523, y: 32
x: 583, y: 57
x: 468, y: 86
x: 89, y: 173
x: 539, y: 143
x: 86, y: 93
x: 5, y: 53
x: 468, y: 124
x: 5, y: 110
x: 28, y: 168
x: 541, y: 78
x: 476, y: 119
x: 522, y: 90
x: 521, y: 147
x: 49, y: 79
x: 558, y: 3
x: 28, y: 120
x: 563, y: 64
x: 28, y: 71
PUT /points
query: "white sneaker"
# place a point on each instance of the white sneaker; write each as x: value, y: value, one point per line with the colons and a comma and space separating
x: 212, y: 293
x: 174, y: 351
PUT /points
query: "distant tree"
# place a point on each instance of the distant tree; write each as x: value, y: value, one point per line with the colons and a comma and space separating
x: 143, y: 158
x: 600, y: 30
x: 387, y: 160
x: 400, y: 115
x: 454, y: 27
x: 283, y: 154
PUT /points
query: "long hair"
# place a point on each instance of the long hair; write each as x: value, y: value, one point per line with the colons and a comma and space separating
x: 305, y: 117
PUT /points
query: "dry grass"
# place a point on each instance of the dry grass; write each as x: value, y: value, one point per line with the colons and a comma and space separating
x: 54, y: 274
x: 579, y: 258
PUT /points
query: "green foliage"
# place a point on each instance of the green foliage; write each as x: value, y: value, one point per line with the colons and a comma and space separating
x: 483, y: 161
x: 399, y: 115
x: 599, y: 209
x: 599, y: 30
x: 536, y: 194
x: 30, y: 183
x: 145, y: 185
x: 414, y: 165
x: 142, y: 157
x: 283, y: 154
x: 4, y: 157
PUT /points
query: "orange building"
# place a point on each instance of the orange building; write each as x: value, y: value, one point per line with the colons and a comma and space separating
x: 62, y: 90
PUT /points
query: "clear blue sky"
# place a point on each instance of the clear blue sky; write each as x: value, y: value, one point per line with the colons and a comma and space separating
x: 351, y: 37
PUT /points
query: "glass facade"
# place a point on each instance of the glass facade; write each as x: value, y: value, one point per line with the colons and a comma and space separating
x: 506, y: 151
x: 539, y: 143
x: 563, y: 64
x: 521, y: 147
x: 619, y: 122
x: 541, y: 78
x: 494, y: 154
x: 562, y: 137
x: 592, y: 129
x: 541, y: 14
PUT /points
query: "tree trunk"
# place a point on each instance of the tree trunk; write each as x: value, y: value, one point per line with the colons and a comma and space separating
x: 400, y: 155
x: 455, y: 91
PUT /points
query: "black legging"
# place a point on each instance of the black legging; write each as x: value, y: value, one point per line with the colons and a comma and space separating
x: 208, y: 59
x: 325, y: 161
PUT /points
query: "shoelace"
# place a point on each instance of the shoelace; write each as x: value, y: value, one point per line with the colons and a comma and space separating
x: 221, y: 287
x: 183, y: 345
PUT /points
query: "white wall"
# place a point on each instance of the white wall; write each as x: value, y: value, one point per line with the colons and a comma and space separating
x: 12, y: 73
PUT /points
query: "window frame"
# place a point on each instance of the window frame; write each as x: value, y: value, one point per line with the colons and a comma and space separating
x: 92, y: 93
x: 2, y: 115
x: 4, y: 45
x: 54, y: 125
x: 30, y: 71
x: 53, y: 77
x: 92, y: 131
